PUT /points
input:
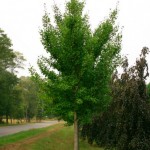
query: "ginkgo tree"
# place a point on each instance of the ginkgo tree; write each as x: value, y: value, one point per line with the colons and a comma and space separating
x: 80, y: 63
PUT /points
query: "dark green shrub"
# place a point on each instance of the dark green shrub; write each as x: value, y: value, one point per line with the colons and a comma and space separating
x: 126, y: 123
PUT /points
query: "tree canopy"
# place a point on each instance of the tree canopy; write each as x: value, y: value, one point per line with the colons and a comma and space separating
x: 9, y: 61
x: 80, y: 62
x: 76, y: 68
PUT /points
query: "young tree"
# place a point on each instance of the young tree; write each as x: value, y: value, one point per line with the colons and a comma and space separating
x: 80, y: 63
x: 44, y: 103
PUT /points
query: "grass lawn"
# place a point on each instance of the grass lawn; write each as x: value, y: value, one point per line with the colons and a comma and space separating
x: 56, y: 137
x: 60, y: 140
x: 21, y: 136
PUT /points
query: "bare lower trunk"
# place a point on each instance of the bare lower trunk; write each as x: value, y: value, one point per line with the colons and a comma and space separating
x: 1, y: 119
x: 76, y: 132
x: 7, y: 119
x: 11, y: 120
x: 26, y: 114
x: 29, y: 119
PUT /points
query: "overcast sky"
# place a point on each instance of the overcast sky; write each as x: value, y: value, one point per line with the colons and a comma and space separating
x: 22, y: 19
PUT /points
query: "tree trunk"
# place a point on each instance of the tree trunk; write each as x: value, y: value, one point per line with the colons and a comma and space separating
x: 11, y: 120
x: 76, y: 132
x: 6, y: 118
x: 29, y: 119
x: 1, y: 119
x: 26, y: 114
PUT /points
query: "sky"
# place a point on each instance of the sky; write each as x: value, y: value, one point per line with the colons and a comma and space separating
x: 22, y: 19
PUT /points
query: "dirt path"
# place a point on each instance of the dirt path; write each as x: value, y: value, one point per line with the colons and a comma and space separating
x: 18, y: 128
x: 21, y: 145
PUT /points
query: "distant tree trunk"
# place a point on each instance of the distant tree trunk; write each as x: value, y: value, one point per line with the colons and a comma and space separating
x: 6, y: 118
x: 1, y: 119
x: 37, y: 119
x: 11, y: 120
x: 29, y: 119
x: 76, y: 132
x: 26, y: 114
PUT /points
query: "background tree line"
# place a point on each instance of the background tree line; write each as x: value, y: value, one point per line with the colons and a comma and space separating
x: 19, y: 97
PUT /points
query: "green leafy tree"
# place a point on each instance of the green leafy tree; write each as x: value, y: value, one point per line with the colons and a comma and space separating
x: 7, y: 83
x: 9, y: 61
x: 7, y: 55
x: 44, y: 106
x: 80, y: 63
x: 29, y: 95
x: 18, y: 103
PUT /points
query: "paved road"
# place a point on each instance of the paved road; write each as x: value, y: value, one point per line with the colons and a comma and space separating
x: 18, y: 128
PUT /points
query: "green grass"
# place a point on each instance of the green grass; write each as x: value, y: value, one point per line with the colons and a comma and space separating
x: 5, y: 125
x: 21, y: 136
x: 61, y: 139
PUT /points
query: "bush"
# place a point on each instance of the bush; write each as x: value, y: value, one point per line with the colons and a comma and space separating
x: 126, y: 123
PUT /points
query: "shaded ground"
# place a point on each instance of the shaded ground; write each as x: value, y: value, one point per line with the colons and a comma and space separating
x: 22, y: 145
x: 18, y: 128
